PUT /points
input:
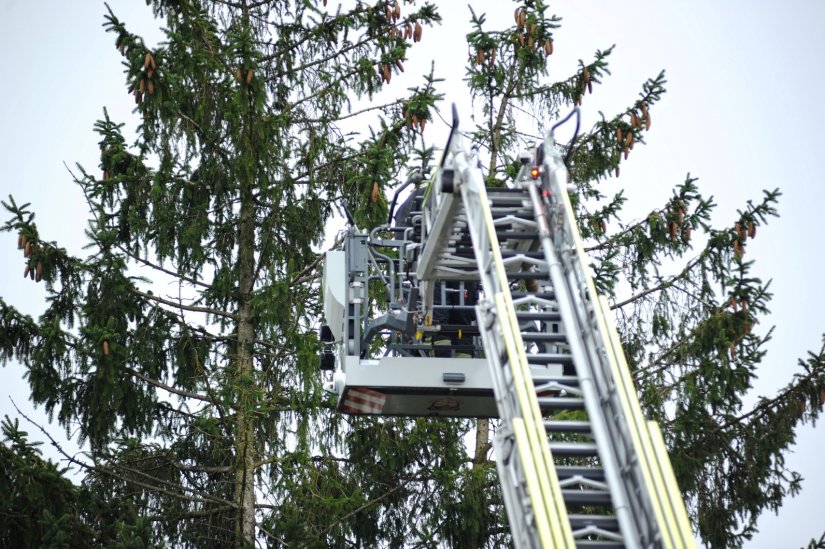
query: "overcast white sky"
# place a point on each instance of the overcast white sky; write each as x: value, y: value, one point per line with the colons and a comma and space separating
x: 743, y: 112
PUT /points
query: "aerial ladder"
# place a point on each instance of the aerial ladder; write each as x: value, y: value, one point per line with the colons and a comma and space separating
x: 578, y: 463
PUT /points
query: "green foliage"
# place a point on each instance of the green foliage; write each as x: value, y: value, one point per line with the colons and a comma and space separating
x: 40, y: 507
x: 38, y: 502
x: 192, y: 403
x: 816, y: 544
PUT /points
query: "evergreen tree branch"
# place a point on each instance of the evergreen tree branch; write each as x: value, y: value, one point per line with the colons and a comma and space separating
x: 162, y: 269
x: 814, y: 377
x: 190, y: 514
x: 300, y: 276
x: 495, y: 129
x: 206, y: 137
x: 315, y: 62
x: 324, y: 90
x: 272, y: 536
x: 173, y: 390
x: 615, y: 239
x: 96, y: 468
x: 369, y: 504
x: 814, y: 544
x: 190, y: 308
x: 351, y: 114
x: 244, y: 5
x: 668, y: 283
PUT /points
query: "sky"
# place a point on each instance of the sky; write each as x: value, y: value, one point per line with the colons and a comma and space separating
x: 743, y: 113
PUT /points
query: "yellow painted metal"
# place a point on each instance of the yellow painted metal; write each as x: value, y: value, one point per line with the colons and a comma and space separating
x: 674, y: 525
x: 675, y: 495
x: 661, y: 483
x: 533, y: 449
x: 631, y: 411
x: 545, y: 492
x: 547, y: 533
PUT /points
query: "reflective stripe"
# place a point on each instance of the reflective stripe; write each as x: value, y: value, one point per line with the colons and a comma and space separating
x: 360, y: 400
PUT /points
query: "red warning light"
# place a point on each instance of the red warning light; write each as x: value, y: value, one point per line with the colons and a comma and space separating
x: 534, y: 172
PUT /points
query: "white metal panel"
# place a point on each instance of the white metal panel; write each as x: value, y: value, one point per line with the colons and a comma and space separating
x: 335, y: 291
x: 413, y: 386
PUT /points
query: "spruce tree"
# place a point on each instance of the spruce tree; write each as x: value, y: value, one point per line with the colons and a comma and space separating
x: 203, y: 409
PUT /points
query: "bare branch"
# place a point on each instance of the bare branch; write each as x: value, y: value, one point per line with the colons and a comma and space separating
x: 106, y: 471
x: 161, y: 269
x: 191, y: 308
x: 170, y: 389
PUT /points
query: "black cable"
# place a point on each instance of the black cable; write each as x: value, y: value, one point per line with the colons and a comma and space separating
x: 395, y: 198
x: 348, y: 213
x: 453, y: 129
x: 577, y: 112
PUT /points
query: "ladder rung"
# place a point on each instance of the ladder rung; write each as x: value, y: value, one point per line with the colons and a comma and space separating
x: 516, y: 235
x: 600, y: 544
x: 543, y: 337
x: 565, y: 381
x: 518, y: 215
x: 496, y: 191
x: 560, y: 403
x: 567, y: 471
x: 579, y: 449
x: 465, y: 329
x: 599, y: 521
x: 586, y: 497
x: 469, y: 253
x: 528, y: 275
x: 550, y: 296
x: 523, y: 201
x: 536, y: 315
x: 549, y: 358
x: 561, y: 426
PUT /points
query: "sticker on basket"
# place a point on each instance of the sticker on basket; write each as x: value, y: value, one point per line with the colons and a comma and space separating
x: 445, y: 405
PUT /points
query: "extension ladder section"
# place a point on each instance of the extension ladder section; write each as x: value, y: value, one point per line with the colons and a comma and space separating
x: 579, y: 465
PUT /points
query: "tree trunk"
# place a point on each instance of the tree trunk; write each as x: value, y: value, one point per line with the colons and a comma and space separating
x: 482, y: 442
x: 244, y: 384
